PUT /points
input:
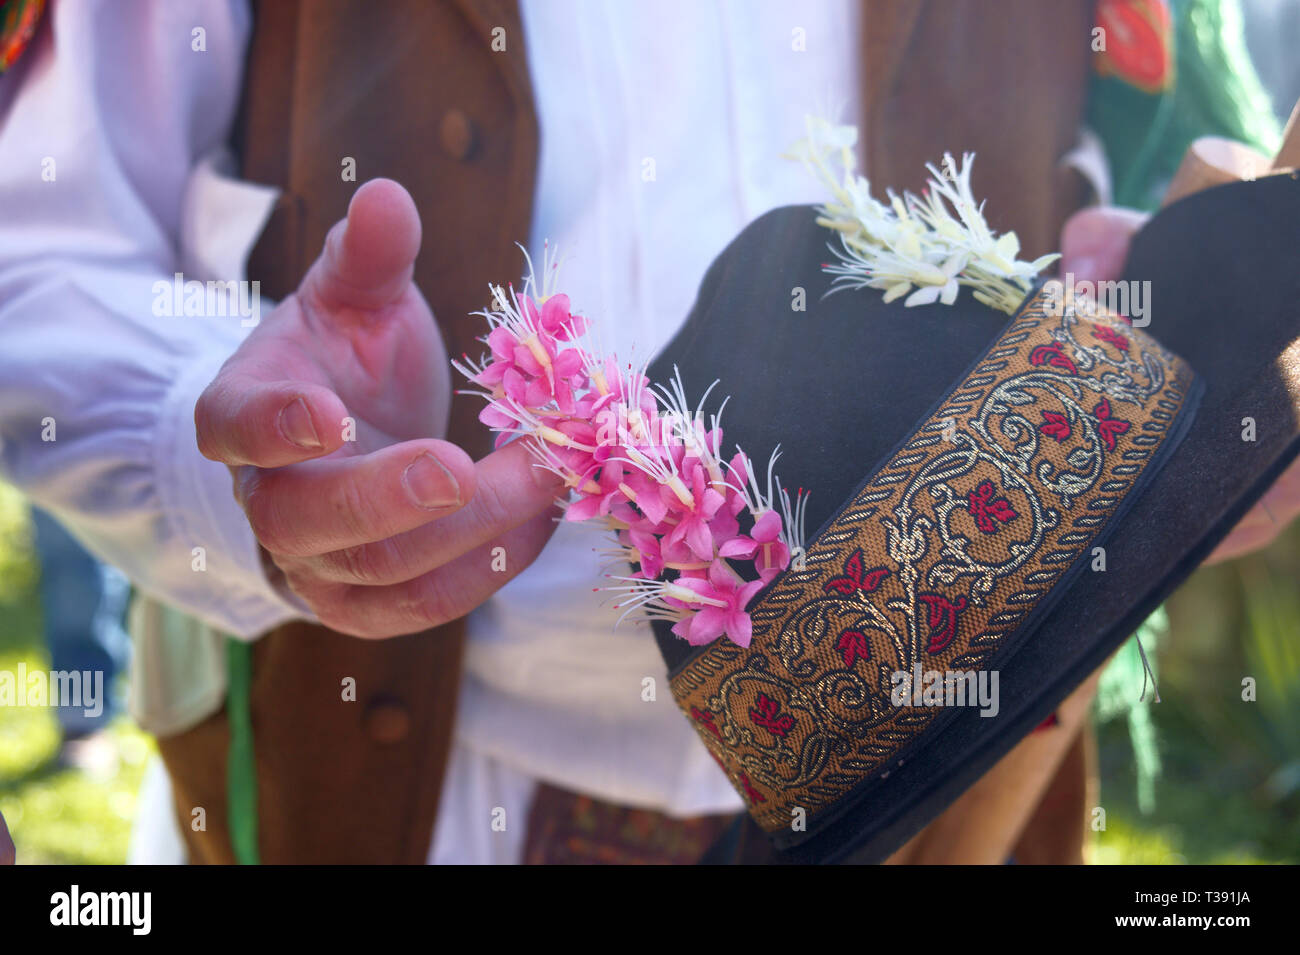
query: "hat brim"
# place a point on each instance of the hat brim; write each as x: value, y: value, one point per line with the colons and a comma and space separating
x: 1224, y: 274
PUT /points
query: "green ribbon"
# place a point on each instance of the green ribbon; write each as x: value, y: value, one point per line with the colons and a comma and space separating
x: 241, y: 764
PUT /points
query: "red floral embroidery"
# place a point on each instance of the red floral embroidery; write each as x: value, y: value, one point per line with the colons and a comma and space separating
x: 768, y: 715
x: 941, y: 619
x: 705, y: 718
x: 1108, y: 426
x: 990, y: 513
x: 853, y: 579
x: 1140, y: 49
x: 1052, y: 355
x: 853, y: 646
x: 1056, y: 427
x: 1107, y: 334
x: 751, y: 793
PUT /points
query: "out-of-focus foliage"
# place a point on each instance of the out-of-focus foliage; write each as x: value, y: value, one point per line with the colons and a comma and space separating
x: 17, y: 569
x: 55, y: 814
x: 1230, y: 785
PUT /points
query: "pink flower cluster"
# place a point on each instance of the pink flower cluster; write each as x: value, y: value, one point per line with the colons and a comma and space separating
x: 639, y: 460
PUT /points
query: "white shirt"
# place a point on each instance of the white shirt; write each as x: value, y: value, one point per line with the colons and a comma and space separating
x: 704, y: 97
x: 110, y: 126
x: 662, y: 129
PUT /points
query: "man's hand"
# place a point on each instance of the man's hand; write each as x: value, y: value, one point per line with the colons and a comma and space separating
x: 391, y: 532
x: 1094, y: 244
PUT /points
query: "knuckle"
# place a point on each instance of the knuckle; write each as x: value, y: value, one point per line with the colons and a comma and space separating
x: 262, y: 508
x: 353, y: 509
x: 306, y: 584
x: 209, y: 420
x: 491, y: 510
x: 205, y: 430
x: 362, y: 564
x: 253, y: 499
x: 428, y: 604
x: 245, y: 480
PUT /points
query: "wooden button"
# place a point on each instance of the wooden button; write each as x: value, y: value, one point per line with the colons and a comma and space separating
x: 388, y: 721
x: 457, y: 135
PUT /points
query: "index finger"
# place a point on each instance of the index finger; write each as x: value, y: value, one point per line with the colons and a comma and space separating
x: 240, y: 420
x: 508, y: 490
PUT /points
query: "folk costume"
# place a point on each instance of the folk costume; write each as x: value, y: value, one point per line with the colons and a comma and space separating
x: 458, y: 128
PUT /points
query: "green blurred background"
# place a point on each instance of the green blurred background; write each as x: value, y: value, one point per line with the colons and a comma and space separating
x: 55, y: 814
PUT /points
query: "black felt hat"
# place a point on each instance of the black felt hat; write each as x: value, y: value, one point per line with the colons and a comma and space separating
x: 964, y: 469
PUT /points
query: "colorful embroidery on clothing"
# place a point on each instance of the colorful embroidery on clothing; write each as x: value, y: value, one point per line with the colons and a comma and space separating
x: 937, y: 560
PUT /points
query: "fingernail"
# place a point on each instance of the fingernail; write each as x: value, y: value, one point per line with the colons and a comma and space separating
x: 429, y: 484
x: 296, y: 425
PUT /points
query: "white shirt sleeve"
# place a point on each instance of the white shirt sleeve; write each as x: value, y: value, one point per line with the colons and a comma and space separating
x: 112, y: 133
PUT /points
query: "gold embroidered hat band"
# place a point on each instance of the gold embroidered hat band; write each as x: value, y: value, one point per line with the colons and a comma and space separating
x: 941, y: 562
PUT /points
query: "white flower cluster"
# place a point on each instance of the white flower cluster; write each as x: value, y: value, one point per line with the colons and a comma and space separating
x: 922, y: 247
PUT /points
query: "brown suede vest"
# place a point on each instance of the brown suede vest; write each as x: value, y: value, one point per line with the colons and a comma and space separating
x: 422, y: 91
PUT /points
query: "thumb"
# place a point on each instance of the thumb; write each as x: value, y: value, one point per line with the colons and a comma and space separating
x: 1094, y: 242
x: 369, y: 257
